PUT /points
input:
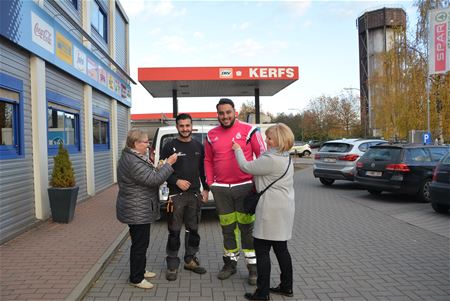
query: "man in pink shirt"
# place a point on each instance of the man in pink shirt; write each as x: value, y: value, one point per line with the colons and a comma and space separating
x: 230, y: 185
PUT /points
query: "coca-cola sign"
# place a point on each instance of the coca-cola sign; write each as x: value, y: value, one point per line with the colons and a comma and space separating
x: 42, y: 33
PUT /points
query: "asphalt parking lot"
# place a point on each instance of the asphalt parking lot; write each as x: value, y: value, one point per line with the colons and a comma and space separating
x: 347, y: 245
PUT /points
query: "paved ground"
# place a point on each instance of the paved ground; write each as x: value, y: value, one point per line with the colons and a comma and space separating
x: 58, y: 261
x: 347, y: 245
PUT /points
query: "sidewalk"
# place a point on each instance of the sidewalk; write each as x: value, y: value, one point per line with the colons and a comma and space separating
x: 58, y: 261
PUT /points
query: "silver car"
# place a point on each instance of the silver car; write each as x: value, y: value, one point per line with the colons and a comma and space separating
x: 336, y: 159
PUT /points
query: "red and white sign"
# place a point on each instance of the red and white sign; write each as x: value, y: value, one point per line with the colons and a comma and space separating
x: 219, y: 73
x: 439, y: 41
x: 42, y: 33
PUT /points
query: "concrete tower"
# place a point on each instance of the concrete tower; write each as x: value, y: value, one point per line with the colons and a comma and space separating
x: 376, y: 35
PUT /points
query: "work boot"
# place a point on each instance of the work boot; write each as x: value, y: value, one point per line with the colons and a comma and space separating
x: 194, y: 266
x: 252, y: 274
x: 228, y: 269
x: 171, y: 274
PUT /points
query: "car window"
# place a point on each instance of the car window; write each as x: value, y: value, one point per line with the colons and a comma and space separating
x: 383, y: 154
x: 446, y: 160
x: 364, y: 147
x: 417, y: 155
x: 437, y: 153
x: 336, y: 147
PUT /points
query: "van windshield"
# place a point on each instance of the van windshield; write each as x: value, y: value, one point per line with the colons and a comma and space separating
x: 200, y: 137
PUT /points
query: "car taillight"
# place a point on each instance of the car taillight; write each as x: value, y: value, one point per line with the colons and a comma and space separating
x: 359, y: 164
x: 350, y: 157
x: 398, y: 167
x: 435, y: 173
x: 316, y: 157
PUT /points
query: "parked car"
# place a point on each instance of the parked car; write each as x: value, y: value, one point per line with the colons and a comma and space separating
x: 403, y: 168
x: 315, y: 143
x: 336, y: 159
x: 164, y: 135
x: 300, y: 149
x: 440, y: 186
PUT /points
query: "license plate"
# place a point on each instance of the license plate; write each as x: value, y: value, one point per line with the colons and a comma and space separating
x: 329, y: 160
x: 373, y: 173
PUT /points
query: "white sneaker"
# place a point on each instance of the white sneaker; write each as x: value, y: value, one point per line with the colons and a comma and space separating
x: 148, y: 274
x: 143, y: 284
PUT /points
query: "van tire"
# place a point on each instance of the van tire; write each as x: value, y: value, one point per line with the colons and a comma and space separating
x: 424, y: 191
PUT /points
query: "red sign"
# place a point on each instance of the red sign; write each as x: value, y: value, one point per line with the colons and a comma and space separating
x: 440, y: 38
x: 219, y: 73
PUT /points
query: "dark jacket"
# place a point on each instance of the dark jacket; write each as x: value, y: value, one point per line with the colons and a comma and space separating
x: 138, y: 197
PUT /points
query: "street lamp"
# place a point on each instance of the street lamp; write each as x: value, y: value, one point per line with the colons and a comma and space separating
x: 301, y: 120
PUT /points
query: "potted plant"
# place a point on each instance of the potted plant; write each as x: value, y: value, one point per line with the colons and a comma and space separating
x: 62, y: 192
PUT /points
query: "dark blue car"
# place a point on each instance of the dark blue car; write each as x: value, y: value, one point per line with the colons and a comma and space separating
x: 440, y: 186
x: 401, y: 168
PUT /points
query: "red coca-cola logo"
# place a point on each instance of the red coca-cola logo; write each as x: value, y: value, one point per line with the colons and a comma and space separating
x: 42, y: 33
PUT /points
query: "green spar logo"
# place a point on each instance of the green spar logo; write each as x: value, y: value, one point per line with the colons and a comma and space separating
x: 441, y: 17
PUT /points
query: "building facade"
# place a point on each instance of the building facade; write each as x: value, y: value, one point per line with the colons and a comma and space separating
x: 64, y: 78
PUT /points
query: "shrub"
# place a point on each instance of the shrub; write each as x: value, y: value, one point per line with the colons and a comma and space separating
x: 62, y: 175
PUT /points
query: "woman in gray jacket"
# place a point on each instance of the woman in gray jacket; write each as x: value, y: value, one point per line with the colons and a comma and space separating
x: 138, y: 200
x: 274, y: 216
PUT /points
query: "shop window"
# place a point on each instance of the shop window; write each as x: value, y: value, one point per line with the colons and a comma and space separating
x: 100, y: 133
x: 99, y: 19
x: 11, y: 127
x: 74, y: 3
x: 63, y: 125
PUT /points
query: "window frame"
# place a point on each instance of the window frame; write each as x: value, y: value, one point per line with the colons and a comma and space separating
x: 17, y: 150
x: 102, y: 116
x: 101, y: 11
x: 70, y: 106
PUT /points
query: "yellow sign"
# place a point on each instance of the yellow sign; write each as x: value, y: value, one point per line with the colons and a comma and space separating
x: 63, y: 48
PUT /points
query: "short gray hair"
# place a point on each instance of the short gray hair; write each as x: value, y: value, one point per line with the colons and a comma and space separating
x: 135, y: 135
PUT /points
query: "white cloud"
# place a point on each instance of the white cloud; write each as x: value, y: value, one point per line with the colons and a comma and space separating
x: 174, y: 44
x: 307, y: 24
x: 299, y: 7
x: 145, y: 8
x: 198, y: 35
x: 246, y: 48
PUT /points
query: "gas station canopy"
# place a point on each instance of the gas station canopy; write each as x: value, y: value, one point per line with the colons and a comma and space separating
x: 216, y: 81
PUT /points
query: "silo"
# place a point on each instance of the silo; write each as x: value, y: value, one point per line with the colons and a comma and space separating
x: 376, y: 32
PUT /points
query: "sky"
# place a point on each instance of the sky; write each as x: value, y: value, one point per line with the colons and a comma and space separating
x: 320, y: 37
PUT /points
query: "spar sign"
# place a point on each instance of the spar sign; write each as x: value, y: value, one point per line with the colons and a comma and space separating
x: 439, y: 41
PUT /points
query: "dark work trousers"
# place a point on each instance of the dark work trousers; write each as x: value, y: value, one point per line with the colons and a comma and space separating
x: 186, y: 210
x: 140, y: 238
x: 263, y: 265
x: 230, y: 208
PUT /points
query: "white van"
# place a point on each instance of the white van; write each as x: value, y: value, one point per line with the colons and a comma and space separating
x: 167, y: 133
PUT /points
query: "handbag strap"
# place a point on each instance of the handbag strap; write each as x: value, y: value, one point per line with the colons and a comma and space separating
x: 289, y: 164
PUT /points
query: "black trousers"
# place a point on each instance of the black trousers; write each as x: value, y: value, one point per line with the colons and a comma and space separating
x: 263, y: 265
x: 140, y: 238
x: 186, y: 211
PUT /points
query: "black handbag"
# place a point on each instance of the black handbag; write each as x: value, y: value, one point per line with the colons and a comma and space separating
x: 252, y: 199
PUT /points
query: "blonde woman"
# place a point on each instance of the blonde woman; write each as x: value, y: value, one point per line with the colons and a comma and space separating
x: 138, y: 200
x: 275, y: 210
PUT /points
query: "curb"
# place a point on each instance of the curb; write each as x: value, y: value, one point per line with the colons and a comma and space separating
x: 92, y: 275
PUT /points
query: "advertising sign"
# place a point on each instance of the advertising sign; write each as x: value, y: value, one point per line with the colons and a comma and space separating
x: 63, y: 48
x: 42, y: 33
x: 439, y: 41
x: 26, y: 24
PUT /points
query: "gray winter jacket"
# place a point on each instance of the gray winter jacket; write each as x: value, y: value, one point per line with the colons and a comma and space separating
x: 138, y: 197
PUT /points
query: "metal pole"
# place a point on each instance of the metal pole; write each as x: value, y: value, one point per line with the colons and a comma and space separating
x: 428, y: 104
x: 175, y: 103
x: 257, y: 119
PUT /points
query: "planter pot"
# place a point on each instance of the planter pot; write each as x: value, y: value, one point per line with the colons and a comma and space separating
x: 62, y: 203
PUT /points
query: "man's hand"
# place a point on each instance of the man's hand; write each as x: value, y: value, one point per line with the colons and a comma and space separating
x: 183, y: 184
x: 235, y: 145
x: 205, y: 194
